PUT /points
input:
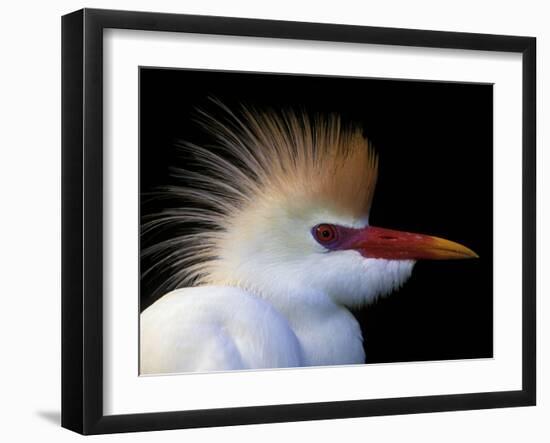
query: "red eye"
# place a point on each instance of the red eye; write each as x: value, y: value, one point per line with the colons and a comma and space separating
x: 325, y: 233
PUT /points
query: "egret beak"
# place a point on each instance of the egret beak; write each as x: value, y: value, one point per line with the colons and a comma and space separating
x: 375, y: 242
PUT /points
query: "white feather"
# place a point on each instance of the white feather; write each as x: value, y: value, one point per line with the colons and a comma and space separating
x: 215, y: 329
x: 270, y: 296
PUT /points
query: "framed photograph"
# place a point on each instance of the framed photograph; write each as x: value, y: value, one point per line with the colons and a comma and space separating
x: 269, y: 221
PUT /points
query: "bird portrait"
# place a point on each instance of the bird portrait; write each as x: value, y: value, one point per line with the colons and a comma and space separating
x: 274, y: 248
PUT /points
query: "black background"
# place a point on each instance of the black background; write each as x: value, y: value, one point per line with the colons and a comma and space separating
x: 434, y: 142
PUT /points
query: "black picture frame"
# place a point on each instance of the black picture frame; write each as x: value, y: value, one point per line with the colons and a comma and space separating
x: 82, y: 220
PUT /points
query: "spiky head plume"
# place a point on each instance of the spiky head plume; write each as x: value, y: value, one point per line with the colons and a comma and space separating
x: 257, y: 158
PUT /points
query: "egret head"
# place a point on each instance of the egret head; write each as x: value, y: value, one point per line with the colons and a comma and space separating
x: 283, y: 203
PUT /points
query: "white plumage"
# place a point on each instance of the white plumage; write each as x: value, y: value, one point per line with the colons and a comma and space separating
x: 283, y: 252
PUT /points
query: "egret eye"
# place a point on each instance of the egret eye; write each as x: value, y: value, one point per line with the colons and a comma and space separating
x: 325, y: 233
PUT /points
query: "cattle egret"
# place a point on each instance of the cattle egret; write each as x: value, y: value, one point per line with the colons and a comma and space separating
x: 276, y: 248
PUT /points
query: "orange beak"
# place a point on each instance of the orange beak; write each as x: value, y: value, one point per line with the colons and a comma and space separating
x: 374, y: 242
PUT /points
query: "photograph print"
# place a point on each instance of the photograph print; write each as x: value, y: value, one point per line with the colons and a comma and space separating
x: 291, y: 221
